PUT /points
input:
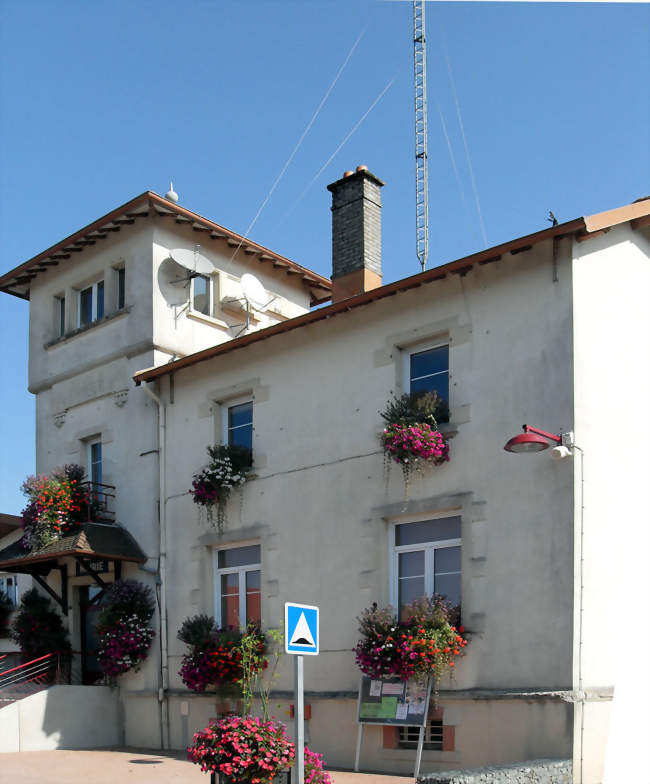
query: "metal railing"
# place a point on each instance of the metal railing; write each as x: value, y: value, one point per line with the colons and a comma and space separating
x: 39, y: 673
x: 101, y: 506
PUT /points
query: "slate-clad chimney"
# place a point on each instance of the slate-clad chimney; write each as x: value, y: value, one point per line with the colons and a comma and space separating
x: 356, y: 233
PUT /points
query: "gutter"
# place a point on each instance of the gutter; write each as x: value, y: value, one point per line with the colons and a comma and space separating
x: 163, y: 691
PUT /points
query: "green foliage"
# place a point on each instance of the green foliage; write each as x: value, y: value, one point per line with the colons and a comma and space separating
x: 198, y: 631
x: 125, y: 598
x: 240, y: 457
x: 38, y: 628
x: 416, y: 408
x: 256, y: 658
x: 6, y: 608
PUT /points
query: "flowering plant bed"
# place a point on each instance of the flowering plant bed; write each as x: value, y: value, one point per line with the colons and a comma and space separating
x: 411, y: 437
x: 424, y: 644
x: 314, y: 771
x: 212, y: 486
x: 125, y: 633
x: 57, y: 504
x: 243, y: 748
x: 215, y: 656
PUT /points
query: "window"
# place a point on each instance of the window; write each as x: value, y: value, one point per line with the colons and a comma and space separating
x: 8, y: 585
x: 238, y: 424
x: 201, y: 294
x: 427, y: 560
x: 91, y: 304
x: 428, y: 370
x: 121, y: 287
x: 59, y: 315
x: 95, y: 461
x: 409, y: 736
x: 237, y: 586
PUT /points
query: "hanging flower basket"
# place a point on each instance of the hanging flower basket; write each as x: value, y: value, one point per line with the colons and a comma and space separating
x: 411, y: 437
x: 57, y: 505
x: 215, y: 656
x: 425, y: 644
x: 212, y: 486
x: 125, y: 633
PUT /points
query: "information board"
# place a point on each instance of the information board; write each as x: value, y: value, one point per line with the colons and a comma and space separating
x: 393, y: 701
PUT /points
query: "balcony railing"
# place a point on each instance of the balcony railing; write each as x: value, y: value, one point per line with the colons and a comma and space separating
x: 101, y: 508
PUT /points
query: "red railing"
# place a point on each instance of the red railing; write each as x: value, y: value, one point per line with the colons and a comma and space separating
x: 34, y: 675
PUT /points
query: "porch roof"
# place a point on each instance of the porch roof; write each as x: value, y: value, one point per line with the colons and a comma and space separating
x: 92, y: 540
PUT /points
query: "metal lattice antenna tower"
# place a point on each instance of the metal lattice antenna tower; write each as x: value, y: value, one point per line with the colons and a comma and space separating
x: 421, y: 156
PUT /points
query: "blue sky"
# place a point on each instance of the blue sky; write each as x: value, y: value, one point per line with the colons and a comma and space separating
x: 101, y: 101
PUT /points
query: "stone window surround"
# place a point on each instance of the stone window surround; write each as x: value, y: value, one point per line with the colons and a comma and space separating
x: 398, y: 346
x: 216, y: 401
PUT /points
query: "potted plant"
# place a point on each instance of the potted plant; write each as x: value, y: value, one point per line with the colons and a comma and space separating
x: 411, y: 436
x: 37, y: 628
x: 213, y: 484
x: 125, y: 633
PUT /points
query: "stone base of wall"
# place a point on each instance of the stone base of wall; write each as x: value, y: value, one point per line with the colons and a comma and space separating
x: 541, y: 771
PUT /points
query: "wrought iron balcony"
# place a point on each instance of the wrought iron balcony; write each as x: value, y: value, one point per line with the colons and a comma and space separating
x: 101, y: 506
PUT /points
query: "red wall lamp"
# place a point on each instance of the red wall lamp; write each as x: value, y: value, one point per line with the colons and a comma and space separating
x: 535, y: 440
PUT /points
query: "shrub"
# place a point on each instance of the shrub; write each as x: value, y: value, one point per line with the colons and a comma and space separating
x: 37, y: 627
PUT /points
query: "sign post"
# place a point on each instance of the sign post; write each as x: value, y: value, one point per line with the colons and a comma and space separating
x: 301, y: 638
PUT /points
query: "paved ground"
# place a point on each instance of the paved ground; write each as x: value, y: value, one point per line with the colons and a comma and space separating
x: 128, y: 766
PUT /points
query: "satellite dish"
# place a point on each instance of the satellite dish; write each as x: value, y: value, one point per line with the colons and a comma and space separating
x: 192, y: 260
x: 173, y: 282
x: 254, y: 292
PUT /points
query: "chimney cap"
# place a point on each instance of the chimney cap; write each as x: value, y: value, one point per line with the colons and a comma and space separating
x: 362, y: 167
x: 361, y: 172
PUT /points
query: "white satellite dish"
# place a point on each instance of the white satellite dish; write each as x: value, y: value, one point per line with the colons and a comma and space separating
x: 192, y: 260
x: 254, y: 292
x: 173, y: 282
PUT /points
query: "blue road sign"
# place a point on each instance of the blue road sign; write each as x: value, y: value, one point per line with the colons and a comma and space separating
x: 301, y: 629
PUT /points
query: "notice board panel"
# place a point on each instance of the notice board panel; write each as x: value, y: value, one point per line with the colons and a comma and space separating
x: 393, y: 701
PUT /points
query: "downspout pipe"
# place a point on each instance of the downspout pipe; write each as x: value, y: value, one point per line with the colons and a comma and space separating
x: 162, y: 566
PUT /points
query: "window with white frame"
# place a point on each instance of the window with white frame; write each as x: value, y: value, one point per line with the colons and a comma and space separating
x: 426, y: 559
x: 201, y: 294
x: 91, y: 304
x: 238, y: 599
x: 427, y: 370
x: 8, y: 586
x: 94, y: 460
x: 237, y: 424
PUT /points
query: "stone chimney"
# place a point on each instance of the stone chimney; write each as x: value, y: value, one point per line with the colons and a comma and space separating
x: 356, y: 233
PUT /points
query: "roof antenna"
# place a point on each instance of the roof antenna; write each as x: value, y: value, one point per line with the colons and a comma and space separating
x: 171, y: 194
x: 551, y: 218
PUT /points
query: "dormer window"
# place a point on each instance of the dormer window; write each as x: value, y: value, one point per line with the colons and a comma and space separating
x: 201, y: 294
x: 91, y: 304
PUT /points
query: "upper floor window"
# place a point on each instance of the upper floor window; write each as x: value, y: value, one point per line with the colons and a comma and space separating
x: 426, y: 560
x: 59, y: 315
x: 120, y: 288
x: 238, y: 424
x: 91, y: 304
x: 201, y: 294
x: 95, y: 468
x: 427, y: 370
x: 238, y: 598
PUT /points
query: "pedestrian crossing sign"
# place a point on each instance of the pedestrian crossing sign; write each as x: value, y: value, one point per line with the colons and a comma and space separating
x: 301, y: 629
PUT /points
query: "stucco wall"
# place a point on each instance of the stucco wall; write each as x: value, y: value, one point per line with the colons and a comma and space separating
x: 320, y: 506
x: 61, y: 717
x: 611, y: 336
